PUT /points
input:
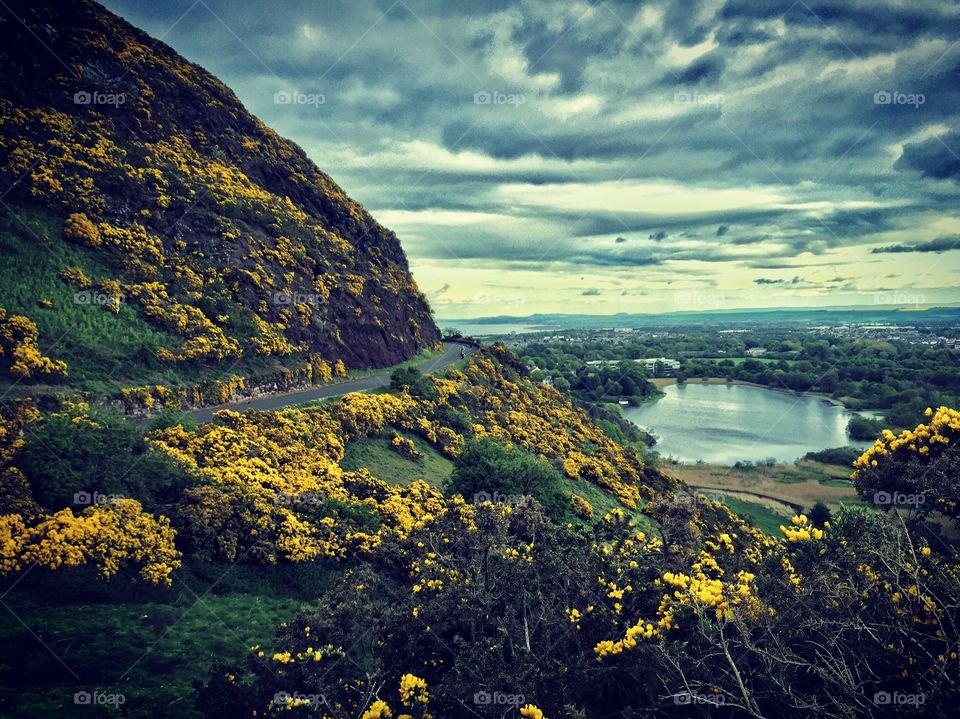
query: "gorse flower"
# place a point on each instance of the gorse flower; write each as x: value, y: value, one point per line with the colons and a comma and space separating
x: 413, y: 688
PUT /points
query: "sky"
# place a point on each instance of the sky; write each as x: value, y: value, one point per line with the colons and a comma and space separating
x: 537, y: 156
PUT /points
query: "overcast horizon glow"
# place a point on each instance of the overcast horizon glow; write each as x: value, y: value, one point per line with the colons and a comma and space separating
x: 604, y: 157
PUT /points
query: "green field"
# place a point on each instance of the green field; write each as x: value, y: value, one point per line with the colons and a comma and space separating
x: 74, y: 632
x: 761, y: 517
x: 376, y: 454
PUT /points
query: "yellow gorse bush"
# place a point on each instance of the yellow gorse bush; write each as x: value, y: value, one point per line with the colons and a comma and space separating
x: 926, y: 439
x: 110, y: 536
x: 19, y: 350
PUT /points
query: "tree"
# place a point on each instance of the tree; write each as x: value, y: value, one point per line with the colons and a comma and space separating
x: 414, y: 380
x: 487, y: 469
x: 829, y: 382
x: 819, y: 513
x: 863, y: 428
x: 101, y: 453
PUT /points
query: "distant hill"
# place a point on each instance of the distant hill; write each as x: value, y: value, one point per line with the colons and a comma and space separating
x: 150, y: 222
x: 866, y: 313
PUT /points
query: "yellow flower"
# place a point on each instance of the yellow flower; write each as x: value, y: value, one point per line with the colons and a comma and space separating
x: 531, y: 712
x: 413, y: 688
x: 378, y: 710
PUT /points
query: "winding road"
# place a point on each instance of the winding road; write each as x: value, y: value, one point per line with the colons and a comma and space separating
x: 379, y: 378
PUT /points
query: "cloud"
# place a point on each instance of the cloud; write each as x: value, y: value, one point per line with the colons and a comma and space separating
x: 936, y: 157
x: 940, y: 244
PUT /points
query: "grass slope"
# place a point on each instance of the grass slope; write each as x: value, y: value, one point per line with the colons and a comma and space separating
x: 376, y: 454
x: 150, y: 645
x: 95, y: 343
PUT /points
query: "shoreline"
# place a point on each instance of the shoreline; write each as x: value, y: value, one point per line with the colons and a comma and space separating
x: 659, y: 382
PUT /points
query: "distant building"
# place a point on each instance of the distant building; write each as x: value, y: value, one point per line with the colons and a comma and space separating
x: 756, y: 352
x: 660, y: 366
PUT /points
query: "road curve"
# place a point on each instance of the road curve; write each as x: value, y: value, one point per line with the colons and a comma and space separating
x: 379, y: 378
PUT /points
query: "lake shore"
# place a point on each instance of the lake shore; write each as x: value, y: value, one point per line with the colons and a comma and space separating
x: 659, y: 382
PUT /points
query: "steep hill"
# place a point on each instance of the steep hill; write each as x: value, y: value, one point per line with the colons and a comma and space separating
x: 138, y: 186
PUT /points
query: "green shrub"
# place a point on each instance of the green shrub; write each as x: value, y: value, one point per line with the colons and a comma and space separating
x: 487, y: 469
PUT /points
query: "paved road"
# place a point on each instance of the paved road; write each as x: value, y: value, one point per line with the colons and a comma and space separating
x: 380, y: 378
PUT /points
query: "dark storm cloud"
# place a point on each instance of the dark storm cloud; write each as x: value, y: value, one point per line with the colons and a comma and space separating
x: 780, y: 99
x: 936, y: 157
x: 941, y: 244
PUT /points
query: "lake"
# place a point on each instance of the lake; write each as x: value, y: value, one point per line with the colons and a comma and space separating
x: 722, y: 424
